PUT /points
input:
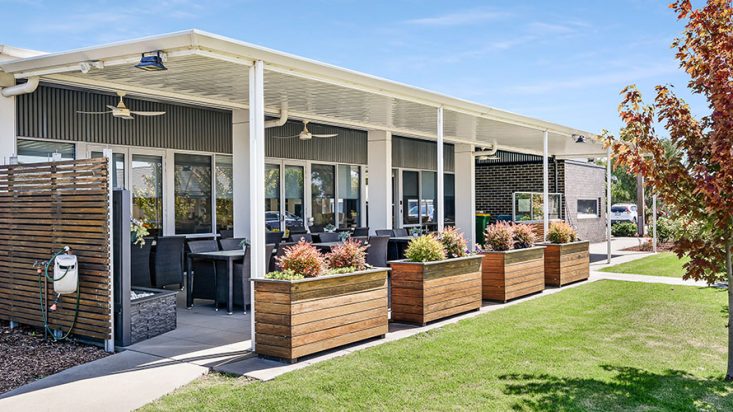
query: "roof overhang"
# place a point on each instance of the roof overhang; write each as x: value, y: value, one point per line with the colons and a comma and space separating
x: 212, y: 70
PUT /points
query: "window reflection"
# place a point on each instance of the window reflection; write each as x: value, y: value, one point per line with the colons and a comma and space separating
x: 192, y: 176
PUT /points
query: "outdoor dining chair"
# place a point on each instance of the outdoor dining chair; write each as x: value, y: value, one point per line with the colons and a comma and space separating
x: 401, y: 232
x: 204, y: 280
x: 361, y: 231
x: 377, y: 251
x: 297, y: 237
x: 384, y: 232
x: 234, y: 243
x: 168, y: 262
x: 226, y: 233
x: 273, y: 237
x: 242, y: 286
x: 327, y: 237
x: 280, y: 252
x: 140, y: 264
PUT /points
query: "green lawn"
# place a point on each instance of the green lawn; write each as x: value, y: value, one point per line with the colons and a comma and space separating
x: 662, y: 264
x: 603, y: 346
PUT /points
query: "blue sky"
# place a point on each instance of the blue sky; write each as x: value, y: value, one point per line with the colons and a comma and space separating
x: 562, y: 61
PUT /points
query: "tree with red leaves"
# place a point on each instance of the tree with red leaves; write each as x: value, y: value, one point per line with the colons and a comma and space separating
x: 697, y: 180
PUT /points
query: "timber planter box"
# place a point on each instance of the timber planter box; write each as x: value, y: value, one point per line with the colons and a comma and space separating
x: 426, y: 291
x: 566, y: 262
x: 295, y: 318
x: 513, y: 273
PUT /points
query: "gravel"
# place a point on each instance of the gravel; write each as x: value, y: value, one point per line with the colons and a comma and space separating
x: 25, y: 356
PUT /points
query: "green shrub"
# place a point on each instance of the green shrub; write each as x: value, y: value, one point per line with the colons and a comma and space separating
x: 454, y: 243
x: 303, y: 259
x: 499, y: 237
x: 351, y: 253
x: 341, y: 271
x: 623, y: 229
x: 523, y: 236
x: 426, y: 248
x: 561, y: 232
x: 283, y: 275
x: 668, y: 229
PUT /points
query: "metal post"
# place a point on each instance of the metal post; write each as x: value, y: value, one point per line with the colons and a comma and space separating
x: 608, y: 203
x: 441, y: 212
x: 654, y: 223
x: 545, y: 186
x: 109, y: 344
x: 257, y: 182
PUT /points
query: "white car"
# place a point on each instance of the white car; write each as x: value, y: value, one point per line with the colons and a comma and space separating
x: 624, y: 212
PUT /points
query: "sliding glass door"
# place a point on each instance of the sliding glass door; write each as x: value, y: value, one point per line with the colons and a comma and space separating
x: 284, y: 195
x: 323, y: 194
x: 146, y: 185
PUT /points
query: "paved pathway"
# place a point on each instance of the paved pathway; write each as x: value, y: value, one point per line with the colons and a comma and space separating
x: 130, y: 379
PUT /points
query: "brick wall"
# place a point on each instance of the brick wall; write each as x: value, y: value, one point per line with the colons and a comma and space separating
x: 586, y: 181
x: 495, y: 184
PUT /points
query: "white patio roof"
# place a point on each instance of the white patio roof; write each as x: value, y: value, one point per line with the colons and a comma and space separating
x: 211, y: 70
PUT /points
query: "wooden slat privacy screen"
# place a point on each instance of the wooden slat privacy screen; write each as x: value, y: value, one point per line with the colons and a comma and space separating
x: 44, y: 207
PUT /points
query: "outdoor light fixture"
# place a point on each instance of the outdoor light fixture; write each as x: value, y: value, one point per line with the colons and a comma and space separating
x: 579, y: 138
x: 151, y: 62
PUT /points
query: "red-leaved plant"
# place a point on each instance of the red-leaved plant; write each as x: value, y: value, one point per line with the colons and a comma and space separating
x: 304, y: 259
x: 351, y: 253
x: 454, y: 243
x: 524, y: 236
x: 498, y: 237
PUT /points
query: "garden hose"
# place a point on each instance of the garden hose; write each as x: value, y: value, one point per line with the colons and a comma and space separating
x: 43, y: 298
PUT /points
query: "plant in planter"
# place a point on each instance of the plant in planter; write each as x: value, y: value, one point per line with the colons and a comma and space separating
x: 351, y: 254
x: 429, y: 285
x: 454, y: 243
x: 567, y: 259
x: 316, y: 302
x: 512, y: 265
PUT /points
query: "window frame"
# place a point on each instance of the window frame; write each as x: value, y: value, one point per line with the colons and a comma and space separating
x: 580, y: 216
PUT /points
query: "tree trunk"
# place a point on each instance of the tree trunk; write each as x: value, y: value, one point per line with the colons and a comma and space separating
x: 729, y: 272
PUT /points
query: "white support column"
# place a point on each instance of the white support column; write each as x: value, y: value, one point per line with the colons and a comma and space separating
x: 379, y: 162
x: 654, y: 222
x: 7, y: 129
x: 465, y: 187
x: 608, y: 204
x: 440, y: 177
x: 257, y: 178
x: 546, y: 185
x: 240, y: 172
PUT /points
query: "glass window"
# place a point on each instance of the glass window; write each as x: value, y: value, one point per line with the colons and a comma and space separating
x: 192, y: 176
x: 34, y: 151
x: 118, y: 168
x: 224, y: 193
x: 147, y: 191
x: 410, y: 197
x: 449, y: 198
x: 528, y: 206
x: 294, y: 196
x: 323, y: 194
x: 272, y: 196
x: 587, y: 208
x: 349, y: 203
x: 429, y: 201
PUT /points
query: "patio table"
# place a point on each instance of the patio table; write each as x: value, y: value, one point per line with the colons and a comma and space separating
x: 326, y: 246
x: 229, y: 256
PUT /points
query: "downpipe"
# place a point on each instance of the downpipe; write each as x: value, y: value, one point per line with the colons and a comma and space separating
x: 28, y: 87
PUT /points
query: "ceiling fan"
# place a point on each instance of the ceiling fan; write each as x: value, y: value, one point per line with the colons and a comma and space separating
x: 306, y: 134
x: 122, y: 111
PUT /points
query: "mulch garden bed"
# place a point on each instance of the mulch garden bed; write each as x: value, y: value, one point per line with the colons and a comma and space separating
x: 661, y: 247
x: 25, y: 356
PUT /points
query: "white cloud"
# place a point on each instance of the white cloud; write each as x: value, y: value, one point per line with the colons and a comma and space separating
x: 459, y: 18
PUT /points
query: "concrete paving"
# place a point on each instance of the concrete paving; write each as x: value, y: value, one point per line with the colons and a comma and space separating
x: 207, y: 340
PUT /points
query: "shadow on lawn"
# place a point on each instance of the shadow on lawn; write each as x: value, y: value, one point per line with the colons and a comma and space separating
x: 629, y: 389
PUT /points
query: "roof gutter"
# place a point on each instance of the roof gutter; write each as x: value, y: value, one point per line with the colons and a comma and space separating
x: 28, y: 87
